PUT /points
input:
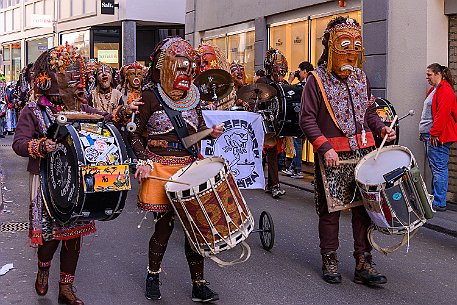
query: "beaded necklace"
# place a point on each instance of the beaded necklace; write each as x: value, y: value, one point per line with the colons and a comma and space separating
x: 189, y: 102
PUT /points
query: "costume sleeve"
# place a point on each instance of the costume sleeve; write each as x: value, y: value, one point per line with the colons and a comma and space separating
x: 442, y: 105
x: 27, y: 138
x: 141, y: 120
x: 311, y: 101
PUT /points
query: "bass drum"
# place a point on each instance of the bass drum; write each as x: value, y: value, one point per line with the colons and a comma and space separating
x: 386, y: 112
x: 288, y: 110
x: 86, y: 177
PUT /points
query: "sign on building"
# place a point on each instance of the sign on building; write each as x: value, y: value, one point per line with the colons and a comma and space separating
x: 41, y: 21
x: 108, y: 56
x: 107, y: 7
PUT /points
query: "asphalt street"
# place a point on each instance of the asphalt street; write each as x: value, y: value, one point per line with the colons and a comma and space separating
x: 112, y: 265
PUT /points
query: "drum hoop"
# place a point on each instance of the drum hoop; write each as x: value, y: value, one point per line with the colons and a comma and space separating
x: 373, y: 153
x: 222, y: 172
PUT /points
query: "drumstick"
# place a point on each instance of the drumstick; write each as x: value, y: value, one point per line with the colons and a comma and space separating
x: 350, y: 161
x: 385, y: 137
x: 168, y: 180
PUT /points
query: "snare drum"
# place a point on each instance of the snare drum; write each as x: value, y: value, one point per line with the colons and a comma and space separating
x: 393, y: 191
x: 212, y: 210
x: 86, y: 177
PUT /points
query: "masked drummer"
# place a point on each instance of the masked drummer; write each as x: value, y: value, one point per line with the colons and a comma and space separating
x: 168, y: 84
x: 276, y: 67
x: 339, y: 118
x: 59, y: 82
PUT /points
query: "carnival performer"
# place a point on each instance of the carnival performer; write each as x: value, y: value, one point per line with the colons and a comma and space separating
x: 239, y: 80
x: 59, y: 84
x: 23, y: 87
x: 212, y: 57
x: 104, y: 97
x: 276, y: 68
x: 168, y: 84
x: 338, y: 116
x: 133, y: 75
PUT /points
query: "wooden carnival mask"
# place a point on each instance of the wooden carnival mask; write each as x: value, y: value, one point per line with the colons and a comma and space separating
x: 238, y: 74
x: 72, y: 84
x: 176, y: 64
x: 134, y: 76
x: 344, y: 48
x: 207, y: 58
x: 104, y: 76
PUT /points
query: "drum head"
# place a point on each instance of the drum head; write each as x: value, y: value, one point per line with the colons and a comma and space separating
x: 287, y: 117
x: 370, y: 171
x: 195, y: 174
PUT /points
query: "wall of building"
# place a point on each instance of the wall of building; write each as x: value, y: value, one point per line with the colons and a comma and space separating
x: 421, y: 41
x: 452, y: 191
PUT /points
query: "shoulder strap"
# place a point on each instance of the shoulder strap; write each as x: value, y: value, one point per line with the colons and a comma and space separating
x: 324, y: 96
x: 177, y: 121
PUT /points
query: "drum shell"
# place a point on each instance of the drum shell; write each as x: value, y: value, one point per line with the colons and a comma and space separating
x: 289, y: 99
x: 395, y: 208
x: 214, y: 214
x: 78, y: 205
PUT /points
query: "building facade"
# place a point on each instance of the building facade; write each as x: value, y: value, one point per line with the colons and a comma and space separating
x: 400, y: 39
x: 29, y: 27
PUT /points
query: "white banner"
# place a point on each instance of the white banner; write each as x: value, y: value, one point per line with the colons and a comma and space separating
x: 41, y: 21
x: 241, y: 145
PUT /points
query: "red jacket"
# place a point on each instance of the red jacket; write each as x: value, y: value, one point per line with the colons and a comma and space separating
x: 444, y: 113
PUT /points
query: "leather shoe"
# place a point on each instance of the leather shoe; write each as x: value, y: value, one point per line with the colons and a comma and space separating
x: 439, y: 208
x: 67, y: 295
x: 41, y: 283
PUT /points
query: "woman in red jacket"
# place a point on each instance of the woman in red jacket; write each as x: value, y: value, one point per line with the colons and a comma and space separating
x: 438, y: 129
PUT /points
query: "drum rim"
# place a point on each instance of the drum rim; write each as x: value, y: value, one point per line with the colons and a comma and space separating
x: 386, y: 148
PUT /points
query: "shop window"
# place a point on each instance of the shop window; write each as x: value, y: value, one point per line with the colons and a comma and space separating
x: 12, y: 61
x: 35, y: 47
x: 241, y: 49
x: 80, y: 40
x: 292, y: 40
x: 318, y: 26
x: 107, y: 46
x: 237, y: 47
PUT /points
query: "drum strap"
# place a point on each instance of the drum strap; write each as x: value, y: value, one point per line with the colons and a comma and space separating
x: 178, y: 122
x: 391, y: 249
x: 324, y: 96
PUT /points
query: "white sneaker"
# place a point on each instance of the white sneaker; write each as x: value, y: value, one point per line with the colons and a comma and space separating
x: 297, y: 175
x: 287, y: 172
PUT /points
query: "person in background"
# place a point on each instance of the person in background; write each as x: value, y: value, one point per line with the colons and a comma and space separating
x: 294, y: 171
x: 258, y: 74
x: 438, y: 129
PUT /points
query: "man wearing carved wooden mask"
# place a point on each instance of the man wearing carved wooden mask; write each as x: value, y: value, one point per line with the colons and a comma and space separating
x: 207, y: 58
x: 133, y: 82
x: 104, y: 96
x: 339, y: 118
x: 168, y: 92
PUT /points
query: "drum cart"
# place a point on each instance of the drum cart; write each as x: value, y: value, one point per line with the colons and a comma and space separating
x: 266, y: 230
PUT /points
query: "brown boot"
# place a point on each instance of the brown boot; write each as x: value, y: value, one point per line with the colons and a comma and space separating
x: 41, y: 283
x: 365, y: 273
x: 330, y: 270
x: 67, y: 295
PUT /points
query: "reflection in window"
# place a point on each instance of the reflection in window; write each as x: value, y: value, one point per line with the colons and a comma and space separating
x: 238, y: 47
x: 241, y: 49
x: 292, y: 40
x: 79, y: 40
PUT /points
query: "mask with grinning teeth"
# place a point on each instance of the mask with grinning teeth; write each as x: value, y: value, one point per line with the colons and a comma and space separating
x: 176, y: 61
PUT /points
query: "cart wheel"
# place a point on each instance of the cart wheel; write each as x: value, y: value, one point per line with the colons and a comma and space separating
x: 266, y: 230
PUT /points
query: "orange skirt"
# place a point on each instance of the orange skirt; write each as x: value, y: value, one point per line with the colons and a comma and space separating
x: 152, y: 195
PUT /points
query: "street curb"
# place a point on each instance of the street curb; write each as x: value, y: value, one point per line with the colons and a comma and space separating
x: 430, y: 226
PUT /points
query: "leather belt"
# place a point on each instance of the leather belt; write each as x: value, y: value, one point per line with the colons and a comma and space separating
x: 166, y: 144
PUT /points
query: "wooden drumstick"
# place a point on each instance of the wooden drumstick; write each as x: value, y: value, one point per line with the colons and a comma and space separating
x: 167, y: 180
x: 385, y: 137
